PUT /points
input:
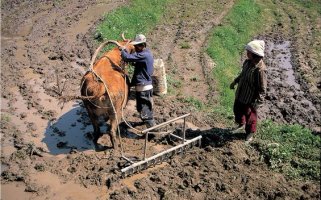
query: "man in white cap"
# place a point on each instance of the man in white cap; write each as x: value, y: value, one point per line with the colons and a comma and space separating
x: 143, y: 61
x: 251, y: 89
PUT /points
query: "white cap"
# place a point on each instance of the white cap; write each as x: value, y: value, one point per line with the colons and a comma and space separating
x: 140, y: 38
x: 256, y: 47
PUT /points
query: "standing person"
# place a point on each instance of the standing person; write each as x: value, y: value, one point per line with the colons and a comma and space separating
x: 143, y: 61
x: 251, y: 88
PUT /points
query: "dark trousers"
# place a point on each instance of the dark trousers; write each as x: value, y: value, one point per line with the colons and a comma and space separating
x: 144, y: 104
x: 245, y: 114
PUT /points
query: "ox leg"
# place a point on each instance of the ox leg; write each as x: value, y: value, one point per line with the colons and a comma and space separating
x: 113, y: 132
x: 97, y: 133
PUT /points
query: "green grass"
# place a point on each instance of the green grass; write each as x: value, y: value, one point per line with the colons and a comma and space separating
x: 290, y: 149
x: 185, y: 45
x: 226, y: 45
x: 138, y: 17
x: 192, y: 101
x: 5, y: 118
x: 174, y: 84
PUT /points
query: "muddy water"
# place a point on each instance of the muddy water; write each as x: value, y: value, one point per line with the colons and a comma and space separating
x: 14, y: 191
x: 283, y: 60
x: 54, y: 188
x: 287, y: 102
x: 68, y: 132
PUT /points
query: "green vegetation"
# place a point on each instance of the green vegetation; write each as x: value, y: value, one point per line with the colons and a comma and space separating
x: 5, y: 118
x: 185, y: 45
x: 290, y: 149
x: 194, y: 102
x: 138, y: 17
x: 173, y: 84
x: 226, y: 45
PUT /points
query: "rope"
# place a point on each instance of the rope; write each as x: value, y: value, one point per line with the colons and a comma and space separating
x: 124, y: 119
x: 109, y: 96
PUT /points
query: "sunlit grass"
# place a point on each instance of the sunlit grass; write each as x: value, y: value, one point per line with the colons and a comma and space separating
x: 138, y: 17
x: 290, y: 149
x: 226, y: 45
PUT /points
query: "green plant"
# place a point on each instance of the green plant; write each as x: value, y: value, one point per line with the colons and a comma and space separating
x: 226, y: 45
x: 185, y: 45
x: 194, y: 102
x: 5, y: 118
x: 138, y: 17
x: 290, y: 149
x: 173, y: 82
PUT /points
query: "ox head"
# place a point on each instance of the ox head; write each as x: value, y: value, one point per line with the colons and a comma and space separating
x: 125, y: 43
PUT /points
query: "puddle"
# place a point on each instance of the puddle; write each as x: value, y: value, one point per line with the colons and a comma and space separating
x: 69, y: 132
x: 55, y: 189
x: 15, y: 191
x: 287, y: 100
x: 92, y: 14
x: 282, y: 59
x: 4, y: 167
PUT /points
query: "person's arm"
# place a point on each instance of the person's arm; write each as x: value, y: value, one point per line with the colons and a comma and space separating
x: 134, y: 57
x: 262, y: 85
x: 237, y: 79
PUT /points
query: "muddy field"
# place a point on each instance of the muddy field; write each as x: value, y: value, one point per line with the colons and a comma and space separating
x: 46, y: 148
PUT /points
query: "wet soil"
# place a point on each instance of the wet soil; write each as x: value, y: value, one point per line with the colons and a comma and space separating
x: 46, y: 148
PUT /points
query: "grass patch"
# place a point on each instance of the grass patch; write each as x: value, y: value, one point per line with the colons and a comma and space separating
x: 192, y: 101
x: 173, y: 83
x: 290, y: 149
x: 185, y: 45
x: 226, y: 45
x: 5, y: 118
x: 138, y: 17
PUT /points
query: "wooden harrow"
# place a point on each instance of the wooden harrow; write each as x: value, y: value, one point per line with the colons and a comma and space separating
x: 145, y: 162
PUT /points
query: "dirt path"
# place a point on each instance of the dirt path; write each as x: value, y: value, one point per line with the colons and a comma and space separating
x: 180, y: 41
x: 46, y: 151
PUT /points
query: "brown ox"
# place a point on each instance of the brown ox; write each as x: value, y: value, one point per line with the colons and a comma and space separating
x: 104, y: 90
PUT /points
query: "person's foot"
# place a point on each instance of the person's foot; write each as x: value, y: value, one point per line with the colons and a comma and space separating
x: 239, y: 129
x: 249, y: 137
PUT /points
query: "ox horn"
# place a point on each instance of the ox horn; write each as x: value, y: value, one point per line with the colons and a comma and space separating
x: 114, y: 42
x: 99, y: 48
x: 123, y: 36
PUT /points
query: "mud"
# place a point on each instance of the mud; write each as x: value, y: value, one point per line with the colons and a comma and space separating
x: 287, y: 100
x: 46, y: 148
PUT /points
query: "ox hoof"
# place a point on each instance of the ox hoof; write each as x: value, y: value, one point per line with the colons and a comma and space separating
x: 99, y: 147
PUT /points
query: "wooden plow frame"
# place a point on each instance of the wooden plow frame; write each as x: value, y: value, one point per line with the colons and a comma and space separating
x: 164, y: 155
